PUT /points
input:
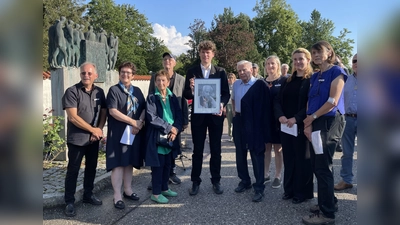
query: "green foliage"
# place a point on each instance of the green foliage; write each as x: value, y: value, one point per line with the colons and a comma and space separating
x: 135, y: 41
x: 53, y: 143
x: 233, y: 38
x: 198, y: 33
x: 277, y: 29
x: 319, y: 28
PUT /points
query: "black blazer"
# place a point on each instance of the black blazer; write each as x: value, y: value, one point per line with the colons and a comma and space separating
x: 301, y: 107
x: 216, y: 72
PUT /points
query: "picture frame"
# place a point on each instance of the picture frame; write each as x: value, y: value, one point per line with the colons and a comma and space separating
x: 207, y: 96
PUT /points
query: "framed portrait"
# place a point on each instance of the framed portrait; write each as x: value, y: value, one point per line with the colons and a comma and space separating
x: 207, y: 95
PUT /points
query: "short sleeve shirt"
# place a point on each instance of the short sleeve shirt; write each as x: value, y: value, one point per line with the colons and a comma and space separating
x: 320, y: 89
x: 88, y: 105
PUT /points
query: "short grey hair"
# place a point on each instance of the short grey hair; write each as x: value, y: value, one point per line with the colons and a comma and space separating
x: 244, y: 62
x: 88, y: 63
x: 286, y: 65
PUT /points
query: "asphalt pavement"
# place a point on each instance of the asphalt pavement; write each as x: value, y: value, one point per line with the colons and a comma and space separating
x: 206, y: 207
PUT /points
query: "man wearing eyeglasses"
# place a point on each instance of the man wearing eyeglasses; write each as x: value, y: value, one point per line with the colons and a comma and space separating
x: 350, y: 130
x: 85, y: 105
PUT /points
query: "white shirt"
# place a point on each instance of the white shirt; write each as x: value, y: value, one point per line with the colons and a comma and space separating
x: 239, y: 90
x: 206, y: 71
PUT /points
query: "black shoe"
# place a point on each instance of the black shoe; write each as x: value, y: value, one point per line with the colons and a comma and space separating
x: 70, y: 210
x: 133, y: 196
x: 241, y: 188
x: 217, y: 189
x: 93, y: 200
x: 297, y: 200
x: 286, y: 196
x: 258, y: 196
x: 119, y: 204
x: 195, y: 189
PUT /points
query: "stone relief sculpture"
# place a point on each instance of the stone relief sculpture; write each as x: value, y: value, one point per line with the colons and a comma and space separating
x: 69, y: 45
x: 58, y: 60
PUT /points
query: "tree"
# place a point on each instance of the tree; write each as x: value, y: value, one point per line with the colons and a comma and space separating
x: 233, y: 38
x: 52, y: 10
x: 132, y: 28
x: 318, y: 29
x: 154, y: 54
x: 198, y: 34
x: 277, y: 29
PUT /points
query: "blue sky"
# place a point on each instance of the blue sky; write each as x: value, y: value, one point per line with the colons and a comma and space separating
x: 171, y: 19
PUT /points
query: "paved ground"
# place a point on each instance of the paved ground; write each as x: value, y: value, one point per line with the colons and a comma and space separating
x: 206, y: 207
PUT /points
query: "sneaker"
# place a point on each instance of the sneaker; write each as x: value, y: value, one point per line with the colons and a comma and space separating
x: 276, y: 183
x: 318, y: 219
x: 169, y: 193
x: 161, y: 199
x: 174, y: 179
x: 267, y: 179
x: 315, y: 208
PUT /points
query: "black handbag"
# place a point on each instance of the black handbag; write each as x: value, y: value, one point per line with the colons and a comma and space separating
x: 162, y: 140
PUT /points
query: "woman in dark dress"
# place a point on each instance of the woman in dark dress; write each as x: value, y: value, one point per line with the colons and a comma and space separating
x: 164, y: 116
x: 290, y: 108
x: 274, y: 81
x: 126, y: 107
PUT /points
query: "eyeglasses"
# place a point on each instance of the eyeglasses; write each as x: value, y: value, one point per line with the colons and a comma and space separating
x: 84, y: 73
x: 354, y: 61
x: 125, y: 72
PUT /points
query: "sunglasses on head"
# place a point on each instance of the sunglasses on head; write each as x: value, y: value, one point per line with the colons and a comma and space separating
x: 354, y: 60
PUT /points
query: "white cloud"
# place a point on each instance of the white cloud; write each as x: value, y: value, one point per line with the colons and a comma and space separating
x: 172, y: 38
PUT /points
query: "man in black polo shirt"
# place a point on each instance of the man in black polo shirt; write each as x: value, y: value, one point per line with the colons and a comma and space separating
x: 85, y: 105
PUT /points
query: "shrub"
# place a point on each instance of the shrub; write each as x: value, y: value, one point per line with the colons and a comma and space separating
x: 53, y: 143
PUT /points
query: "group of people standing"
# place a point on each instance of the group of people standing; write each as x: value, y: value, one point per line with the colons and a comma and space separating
x: 256, y: 110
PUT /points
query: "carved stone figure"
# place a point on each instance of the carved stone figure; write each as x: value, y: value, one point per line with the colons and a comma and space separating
x: 60, y: 45
x: 52, y: 43
x: 69, y: 37
x: 76, y: 46
x: 90, y: 35
x: 112, y: 56
x: 82, y: 35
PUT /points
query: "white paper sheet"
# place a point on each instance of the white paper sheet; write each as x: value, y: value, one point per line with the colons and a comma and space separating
x: 127, y: 137
x: 289, y: 130
x: 317, y: 142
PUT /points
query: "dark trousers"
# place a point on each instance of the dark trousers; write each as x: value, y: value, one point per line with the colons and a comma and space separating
x: 75, y: 155
x: 331, y: 130
x: 160, y: 174
x: 298, y: 174
x: 199, y: 136
x: 257, y: 159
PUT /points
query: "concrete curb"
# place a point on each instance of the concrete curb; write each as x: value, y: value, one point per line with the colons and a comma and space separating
x: 55, y: 200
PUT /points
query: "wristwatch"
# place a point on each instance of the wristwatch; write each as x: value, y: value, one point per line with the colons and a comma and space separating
x: 314, y: 116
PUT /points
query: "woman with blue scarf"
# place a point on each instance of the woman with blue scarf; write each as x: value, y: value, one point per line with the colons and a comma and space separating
x: 164, y: 117
x: 126, y: 105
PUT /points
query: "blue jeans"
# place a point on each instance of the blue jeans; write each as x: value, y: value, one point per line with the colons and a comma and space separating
x: 348, y: 142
